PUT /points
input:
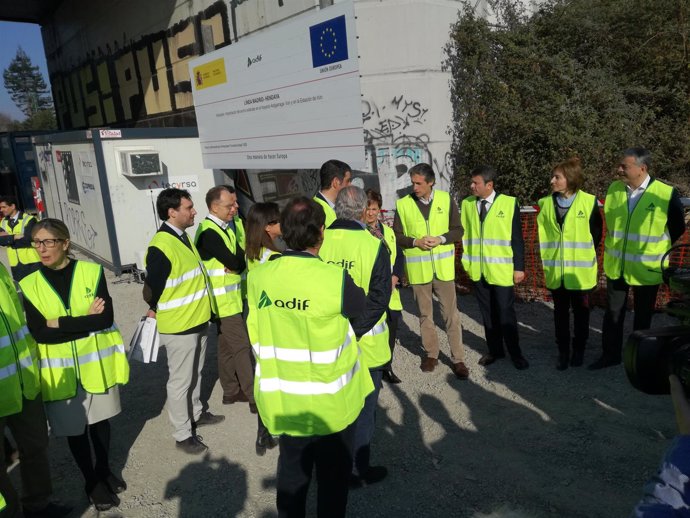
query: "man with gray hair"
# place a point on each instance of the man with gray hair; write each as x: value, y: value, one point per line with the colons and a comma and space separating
x: 348, y: 243
x: 644, y: 217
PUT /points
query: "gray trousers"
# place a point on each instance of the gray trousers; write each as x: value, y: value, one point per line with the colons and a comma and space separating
x: 186, y: 355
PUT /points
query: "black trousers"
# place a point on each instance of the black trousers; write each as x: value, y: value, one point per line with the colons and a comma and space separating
x: 496, y: 304
x: 393, y: 320
x: 614, y: 317
x: 563, y: 300
x: 332, y: 457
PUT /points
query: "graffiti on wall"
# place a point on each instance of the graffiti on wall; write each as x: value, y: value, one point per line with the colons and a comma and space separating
x: 395, y: 139
x: 80, y: 229
x: 131, y: 81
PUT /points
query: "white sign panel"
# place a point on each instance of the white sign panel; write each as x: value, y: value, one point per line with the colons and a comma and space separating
x: 286, y: 98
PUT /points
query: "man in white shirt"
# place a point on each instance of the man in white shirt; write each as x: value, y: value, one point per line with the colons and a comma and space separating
x: 644, y: 216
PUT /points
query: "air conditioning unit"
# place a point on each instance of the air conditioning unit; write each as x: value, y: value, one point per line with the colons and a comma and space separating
x: 140, y: 162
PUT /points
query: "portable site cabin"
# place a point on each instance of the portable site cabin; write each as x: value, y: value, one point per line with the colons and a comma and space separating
x: 18, y: 167
x: 103, y: 184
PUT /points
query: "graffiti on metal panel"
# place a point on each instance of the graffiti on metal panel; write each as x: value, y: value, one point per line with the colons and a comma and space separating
x: 80, y: 229
x: 142, y: 79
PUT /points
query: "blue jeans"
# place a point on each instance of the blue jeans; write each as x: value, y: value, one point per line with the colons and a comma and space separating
x: 364, y: 427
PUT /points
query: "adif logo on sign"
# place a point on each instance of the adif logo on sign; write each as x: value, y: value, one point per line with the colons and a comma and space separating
x: 253, y: 61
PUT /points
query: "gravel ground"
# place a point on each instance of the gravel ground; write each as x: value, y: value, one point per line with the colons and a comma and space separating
x: 505, y: 443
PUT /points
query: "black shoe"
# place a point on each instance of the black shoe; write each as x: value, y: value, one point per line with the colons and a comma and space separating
x: 101, y: 497
x: 390, y: 377
x: 207, y: 418
x: 373, y: 475
x: 52, y: 510
x: 115, y: 484
x: 264, y: 441
x: 520, y: 363
x: 192, y: 445
x: 577, y: 359
x: 602, y: 363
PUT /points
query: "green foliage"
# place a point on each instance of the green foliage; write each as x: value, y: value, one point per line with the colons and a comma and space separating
x: 577, y: 78
x: 25, y: 84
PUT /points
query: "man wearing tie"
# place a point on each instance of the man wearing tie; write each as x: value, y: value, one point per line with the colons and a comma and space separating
x: 180, y: 303
x: 493, y: 256
x: 15, y: 234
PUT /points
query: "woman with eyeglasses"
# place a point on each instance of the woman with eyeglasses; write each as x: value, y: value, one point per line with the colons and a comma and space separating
x: 81, y: 355
x: 263, y: 233
x: 570, y: 228
x: 384, y: 232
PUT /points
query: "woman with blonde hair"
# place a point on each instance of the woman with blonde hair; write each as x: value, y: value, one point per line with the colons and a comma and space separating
x: 570, y: 228
x: 81, y: 355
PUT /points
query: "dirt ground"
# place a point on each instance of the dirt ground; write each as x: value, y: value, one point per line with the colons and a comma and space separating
x: 505, y: 443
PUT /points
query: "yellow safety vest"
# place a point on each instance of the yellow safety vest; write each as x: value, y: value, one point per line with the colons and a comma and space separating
x: 421, y: 266
x: 27, y: 255
x: 388, y: 234
x: 486, y: 245
x: 636, y: 241
x: 226, y: 295
x: 330, y: 213
x: 264, y: 256
x: 309, y: 379
x: 185, y: 301
x: 98, y: 361
x: 356, y: 251
x: 568, y: 253
x: 18, y: 368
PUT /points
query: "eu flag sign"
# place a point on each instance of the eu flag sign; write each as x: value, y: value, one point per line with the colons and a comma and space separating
x: 328, y: 42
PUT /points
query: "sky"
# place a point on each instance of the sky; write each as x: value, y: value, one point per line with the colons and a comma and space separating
x: 28, y: 37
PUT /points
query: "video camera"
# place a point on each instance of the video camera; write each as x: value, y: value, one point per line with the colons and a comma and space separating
x: 650, y: 356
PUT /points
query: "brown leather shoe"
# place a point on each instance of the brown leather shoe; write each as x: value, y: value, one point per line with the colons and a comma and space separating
x: 461, y: 371
x: 429, y: 364
x: 236, y: 398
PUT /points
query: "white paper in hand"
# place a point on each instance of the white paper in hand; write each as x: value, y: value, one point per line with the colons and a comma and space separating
x: 145, y: 342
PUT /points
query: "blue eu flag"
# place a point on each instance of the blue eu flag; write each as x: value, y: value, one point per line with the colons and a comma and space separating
x: 328, y: 42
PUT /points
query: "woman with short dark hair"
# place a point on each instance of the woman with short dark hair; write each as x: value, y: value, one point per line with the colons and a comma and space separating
x: 570, y: 228
x: 385, y: 233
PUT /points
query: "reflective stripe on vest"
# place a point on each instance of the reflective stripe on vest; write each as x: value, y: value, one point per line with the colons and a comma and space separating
x: 357, y: 251
x: 24, y: 255
x: 307, y: 362
x: 636, y: 241
x: 18, y: 367
x: 184, y: 303
x: 422, y: 266
x: 567, y: 252
x: 226, y: 298
x: 328, y: 210
x: 388, y: 234
x: 488, y: 242
x: 97, y: 361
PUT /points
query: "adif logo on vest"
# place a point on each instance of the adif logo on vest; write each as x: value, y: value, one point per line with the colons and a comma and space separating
x: 651, y: 207
x: 580, y: 214
x: 89, y: 293
x: 264, y: 301
x: 348, y: 265
x: 295, y: 303
x: 500, y: 214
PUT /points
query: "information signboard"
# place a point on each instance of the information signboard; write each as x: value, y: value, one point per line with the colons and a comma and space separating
x: 285, y: 98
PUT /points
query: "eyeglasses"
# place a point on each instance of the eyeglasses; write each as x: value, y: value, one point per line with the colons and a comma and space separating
x: 48, y: 243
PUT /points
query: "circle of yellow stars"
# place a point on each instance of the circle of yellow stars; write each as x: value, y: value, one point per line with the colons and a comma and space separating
x: 326, y: 32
